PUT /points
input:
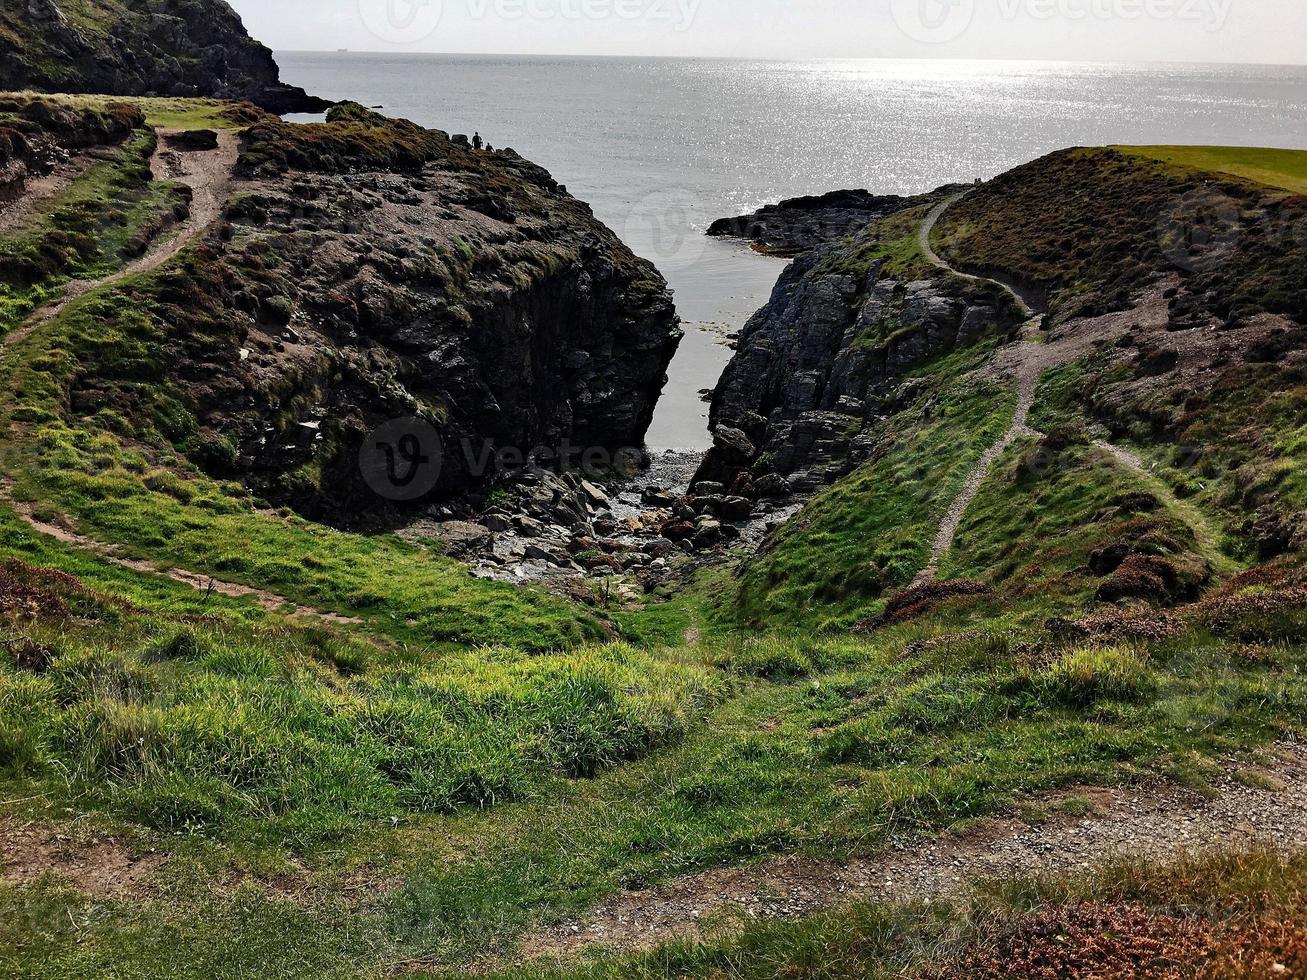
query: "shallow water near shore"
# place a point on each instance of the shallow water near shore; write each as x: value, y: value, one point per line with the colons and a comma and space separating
x: 661, y: 147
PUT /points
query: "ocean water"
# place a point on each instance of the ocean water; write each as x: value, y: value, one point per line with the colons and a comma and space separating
x: 661, y: 147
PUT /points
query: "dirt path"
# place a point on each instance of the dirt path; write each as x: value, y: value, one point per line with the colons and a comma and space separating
x: 1029, y: 358
x: 206, y: 172
x: 268, y: 601
x: 1028, y: 372
x: 1026, y: 360
x: 923, y: 236
x: 39, y: 189
x: 1251, y: 807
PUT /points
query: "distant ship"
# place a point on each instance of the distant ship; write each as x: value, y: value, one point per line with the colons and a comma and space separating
x: 342, y: 51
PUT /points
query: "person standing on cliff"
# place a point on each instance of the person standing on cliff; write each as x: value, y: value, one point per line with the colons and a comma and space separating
x: 476, y: 141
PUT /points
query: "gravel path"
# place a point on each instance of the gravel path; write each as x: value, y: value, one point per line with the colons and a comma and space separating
x: 206, y: 172
x: 1252, y: 807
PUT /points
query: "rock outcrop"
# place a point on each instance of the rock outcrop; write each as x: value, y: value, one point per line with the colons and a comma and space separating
x: 368, y: 270
x: 801, y: 223
x: 37, y: 134
x: 141, y: 47
x: 826, y: 359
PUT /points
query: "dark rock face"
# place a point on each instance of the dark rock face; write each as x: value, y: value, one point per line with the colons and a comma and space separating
x: 801, y: 223
x: 825, y: 360
x: 469, y: 291
x: 141, y: 47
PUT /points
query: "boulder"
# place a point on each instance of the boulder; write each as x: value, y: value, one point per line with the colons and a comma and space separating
x: 528, y: 527
x: 734, y: 446
x: 458, y: 539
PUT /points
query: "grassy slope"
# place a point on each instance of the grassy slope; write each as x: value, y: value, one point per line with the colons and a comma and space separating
x: 1285, y: 169
x: 1089, y: 227
x: 258, y: 750
x: 1244, y: 448
x: 109, y: 212
x: 865, y: 538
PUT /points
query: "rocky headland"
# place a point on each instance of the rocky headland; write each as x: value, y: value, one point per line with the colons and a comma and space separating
x: 141, y: 47
x: 798, y: 224
x: 830, y: 356
x: 366, y: 270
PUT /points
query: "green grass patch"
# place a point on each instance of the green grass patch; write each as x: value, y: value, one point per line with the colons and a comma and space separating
x: 123, y: 482
x: 1286, y: 169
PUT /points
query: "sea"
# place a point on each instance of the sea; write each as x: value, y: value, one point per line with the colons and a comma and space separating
x: 660, y: 147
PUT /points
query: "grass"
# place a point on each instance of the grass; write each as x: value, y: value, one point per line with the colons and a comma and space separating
x: 828, y: 748
x: 1050, y: 506
x: 471, y: 761
x: 184, y: 712
x: 866, y: 537
x: 1285, y: 169
x: 164, y: 112
x: 107, y: 215
x: 893, y: 242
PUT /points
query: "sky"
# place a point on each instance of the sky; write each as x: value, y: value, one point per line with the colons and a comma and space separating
x: 1263, y: 31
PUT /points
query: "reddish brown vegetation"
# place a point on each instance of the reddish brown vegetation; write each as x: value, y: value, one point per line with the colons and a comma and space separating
x: 1116, y: 624
x: 919, y: 600
x: 1126, y: 940
x: 28, y: 592
x: 1151, y: 578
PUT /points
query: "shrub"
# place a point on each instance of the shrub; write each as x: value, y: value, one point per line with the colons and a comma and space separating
x: 1087, y: 675
x: 183, y: 645
x: 1263, y: 615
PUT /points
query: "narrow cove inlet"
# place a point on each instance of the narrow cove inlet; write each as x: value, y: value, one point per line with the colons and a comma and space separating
x: 700, y: 506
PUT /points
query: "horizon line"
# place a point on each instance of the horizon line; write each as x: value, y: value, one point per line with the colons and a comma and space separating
x: 780, y: 60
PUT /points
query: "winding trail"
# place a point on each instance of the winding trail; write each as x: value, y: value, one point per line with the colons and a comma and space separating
x: 923, y: 238
x: 206, y: 172
x: 1030, y: 357
x: 268, y: 601
x: 1026, y: 360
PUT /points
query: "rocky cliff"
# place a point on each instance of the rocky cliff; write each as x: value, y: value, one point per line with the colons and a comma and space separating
x: 140, y: 47
x: 800, y: 223
x: 367, y: 270
x: 831, y: 352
